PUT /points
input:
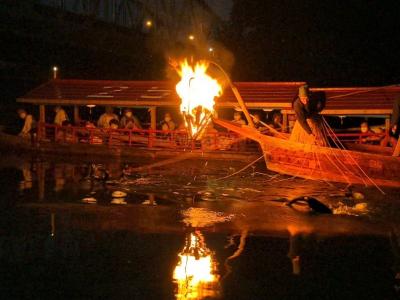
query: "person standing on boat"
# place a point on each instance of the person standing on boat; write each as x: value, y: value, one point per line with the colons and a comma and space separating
x: 130, y: 121
x: 60, y: 116
x: 308, y: 128
x: 29, y: 124
x: 104, y: 120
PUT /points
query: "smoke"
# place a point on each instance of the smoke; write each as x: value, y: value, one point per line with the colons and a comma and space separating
x: 187, y: 31
x: 200, y: 52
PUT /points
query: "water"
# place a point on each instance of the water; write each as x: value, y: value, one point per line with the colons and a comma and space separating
x: 98, y: 229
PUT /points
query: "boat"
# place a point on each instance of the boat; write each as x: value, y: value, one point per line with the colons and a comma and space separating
x: 353, y: 164
x: 142, y: 143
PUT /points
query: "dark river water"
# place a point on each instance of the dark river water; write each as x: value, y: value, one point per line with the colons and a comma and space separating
x: 109, y: 229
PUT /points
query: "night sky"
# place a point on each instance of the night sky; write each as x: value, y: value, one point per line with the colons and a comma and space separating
x: 326, y: 43
x: 330, y: 43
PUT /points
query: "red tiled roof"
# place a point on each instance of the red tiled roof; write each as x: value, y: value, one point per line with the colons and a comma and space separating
x: 162, y: 93
x: 158, y: 93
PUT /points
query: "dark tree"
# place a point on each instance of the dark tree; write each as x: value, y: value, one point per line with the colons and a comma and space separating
x: 353, y: 42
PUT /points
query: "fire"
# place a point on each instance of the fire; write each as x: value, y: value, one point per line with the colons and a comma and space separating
x: 195, y: 272
x: 197, y: 91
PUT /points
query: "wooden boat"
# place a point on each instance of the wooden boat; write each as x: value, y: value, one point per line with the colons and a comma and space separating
x: 370, y: 165
x: 160, y: 148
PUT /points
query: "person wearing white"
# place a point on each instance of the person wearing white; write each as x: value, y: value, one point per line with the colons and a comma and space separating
x: 167, y: 124
x: 104, y: 120
x: 29, y: 123
x: 61, y: 115
x: 237, y: 118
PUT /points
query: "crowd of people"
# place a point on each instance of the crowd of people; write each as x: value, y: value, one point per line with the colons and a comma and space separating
x: 306, y: 127
x: 108, y: 120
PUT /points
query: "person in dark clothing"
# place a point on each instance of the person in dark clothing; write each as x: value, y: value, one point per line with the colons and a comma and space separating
x: 308, y: 127
x: 277, y: 121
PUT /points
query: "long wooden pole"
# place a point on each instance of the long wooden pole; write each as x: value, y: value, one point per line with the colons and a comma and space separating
x: 242, y: 104
x: 237, y: 95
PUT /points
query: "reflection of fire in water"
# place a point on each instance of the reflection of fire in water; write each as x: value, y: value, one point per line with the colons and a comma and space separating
x: 298, y: 233
x: 197, y: 91
x: 195, y: 272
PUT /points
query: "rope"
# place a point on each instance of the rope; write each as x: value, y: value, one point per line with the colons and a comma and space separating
x: 320, y: 167
x: 345, y: 152
x: 363, y: 91
x: 316, y: 157
x: 332, y: 151
x: 351, y: 157
x: 242, y: 169
x: 343, y: 164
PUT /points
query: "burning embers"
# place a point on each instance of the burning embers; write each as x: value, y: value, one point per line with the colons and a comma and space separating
x: 197, y: 91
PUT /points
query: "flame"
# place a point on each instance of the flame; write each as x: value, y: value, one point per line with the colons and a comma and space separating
x: 195, y: 272
x: 197, y: 91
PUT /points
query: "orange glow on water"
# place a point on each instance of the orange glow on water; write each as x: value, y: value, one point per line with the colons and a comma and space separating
x: 195, y: 273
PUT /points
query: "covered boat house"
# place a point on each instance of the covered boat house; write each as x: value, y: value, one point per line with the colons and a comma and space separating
x: 348, y: 101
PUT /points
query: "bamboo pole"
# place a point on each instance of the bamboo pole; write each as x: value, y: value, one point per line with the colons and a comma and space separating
x: 237, y: 95
x: 242, y: 104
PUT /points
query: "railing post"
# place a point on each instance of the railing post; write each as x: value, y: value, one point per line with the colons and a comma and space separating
x: 42, y: 113
x: 74, y: 138
x: 76, y: 114
x: 285, y: 124
x: 55, y: 133
x: 387, y: 124
x: 90, y: 136
x: 39, y: 131
x: 153, y: 124
x: 151, y: 136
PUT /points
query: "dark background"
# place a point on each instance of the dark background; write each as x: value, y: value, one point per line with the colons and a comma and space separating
x: 326, y: 43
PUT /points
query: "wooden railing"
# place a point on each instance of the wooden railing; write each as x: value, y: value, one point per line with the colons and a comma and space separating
x: 372, y: 138
x: 174, y: 139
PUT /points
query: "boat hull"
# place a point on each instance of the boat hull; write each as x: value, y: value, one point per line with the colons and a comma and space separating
x: 14, y: 144
x: 323, y: 163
